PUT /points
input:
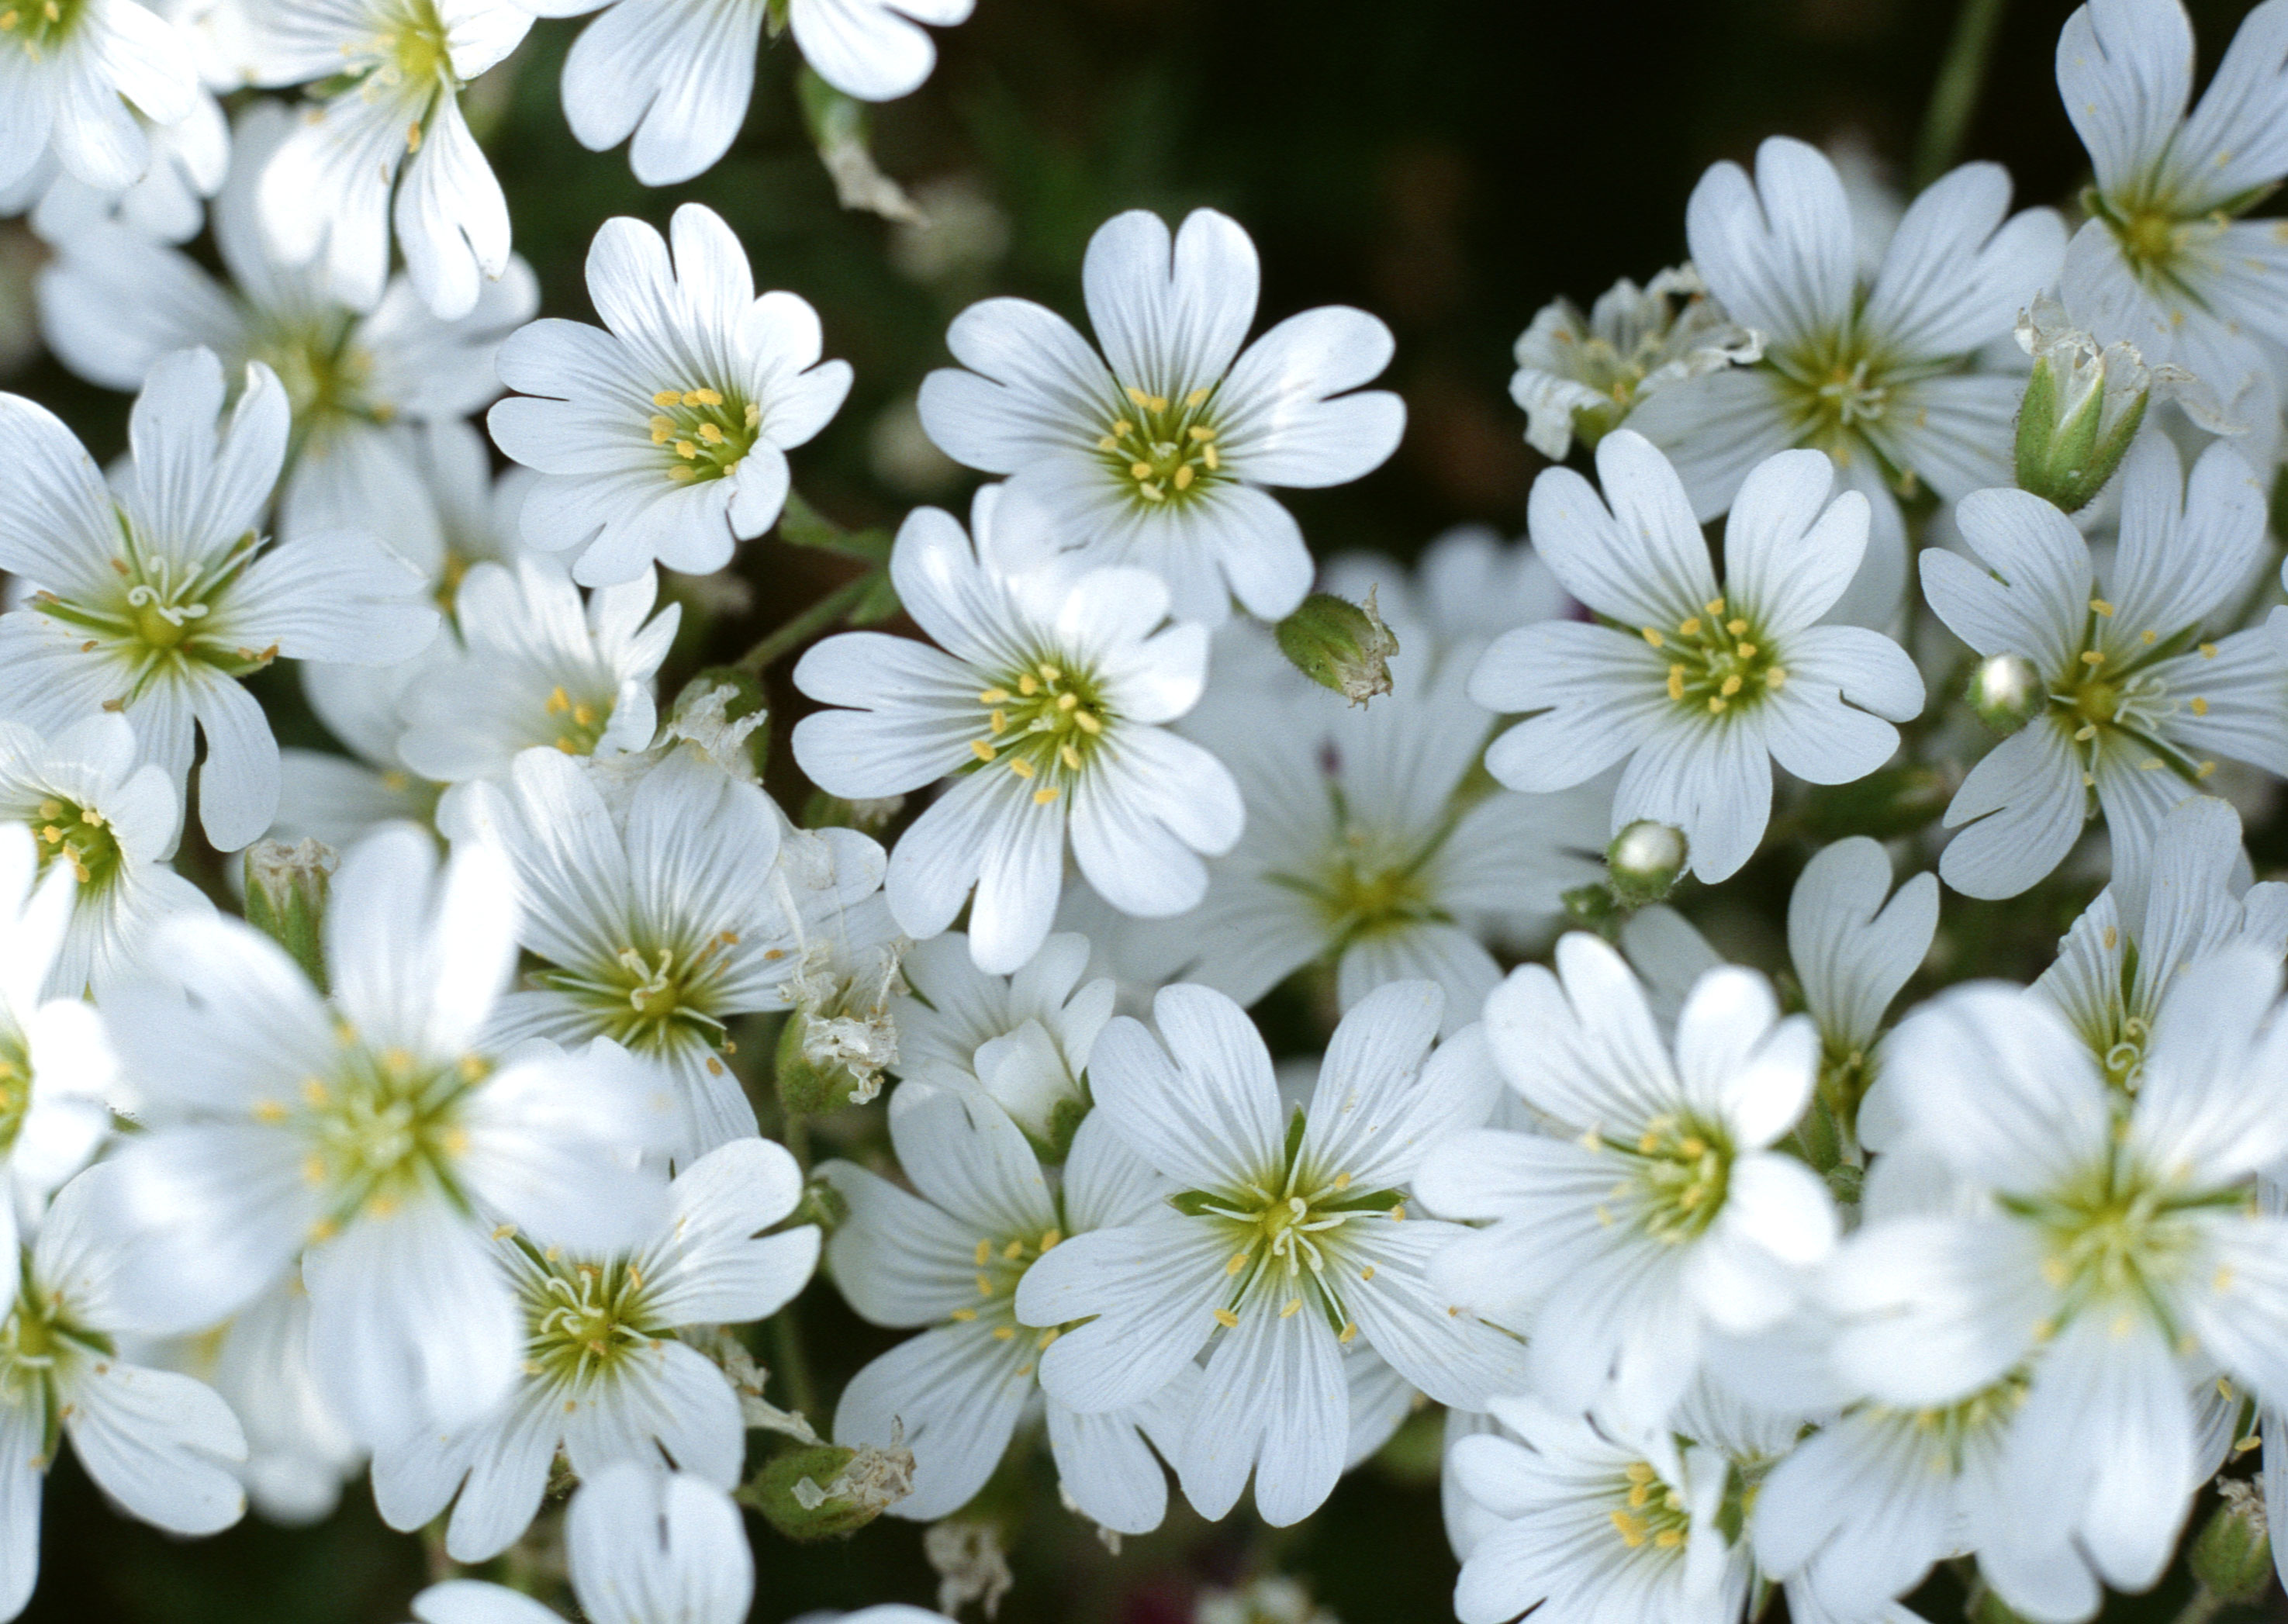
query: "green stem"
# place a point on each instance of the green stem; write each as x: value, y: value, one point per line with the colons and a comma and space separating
x: 1955, y: 97
x: 2205, y: 1604
x: 823, y: 615
x: 791, y: 1364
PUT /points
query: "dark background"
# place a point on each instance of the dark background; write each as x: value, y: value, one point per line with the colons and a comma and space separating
x: 1449, y: 164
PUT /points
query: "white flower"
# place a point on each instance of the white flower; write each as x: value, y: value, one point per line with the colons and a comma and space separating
x: 56, y: 1073
x: 1662, y: 1215
x: 2162, y: 263
x: 157, y: 1443
x: 339, y: 799
x: 1587, y: 373
x: 391, y: 121
x: 657, y: 924
x: 1024, y: 1039
x: 1471, y: 585
x: 677, y: 74
x: 189, y: 159
x: 73, y: 76
x: 1289, y: 1251
x: 1584, y: 1520
x: 953, y: 1258
x: 155, y: 601
x: 848, y: 951
x: 1044, y: 700
x: 2155, y: 922
x: 377, y: 399
x: 603, y: 1377
x: 537, y: 667
x: 376, y: 1130
x: 113, y: 822
x: 1852, y: 951
x: 1372, y: 843
x: 664, y: 438
x: 1881, y: 372
x: 1699, y: 687
x: 645, y: 1546
x: 2139, y: 704
x: 299, y: 1455
x: 2111, y: 1243
x: 1157, y: 453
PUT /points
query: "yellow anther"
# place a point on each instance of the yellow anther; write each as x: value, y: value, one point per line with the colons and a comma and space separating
x: 269, y: 1111
x: 1050, y: 1238
x: 1676, y: 681
x: 1197, y: 398
x: 1049, y: 673
x: 1238, y: 1261
x: 558, y: 702
x: 1225, y: 1318
x: 965, y: 1315
x: 1004, y: 1333
x: 1070, y: 756
x: 1348, y: 1334
x: 2208, y: 651
x: 1088, y: 723
x: 1123, y: 427
x: 702, y: 397
x: 1021, y: 766
x: 1652, y: 636
x: 1184, y: 478
x: 1027, y: 686
x: 1208, y: 455
x: 668, y: 397
x: 2205, y: 769
x: 661, y: 428
x: 984, y: 1252
x: 1746, y: 650
x: 2093, y: 656
x: 2148, y: 636
x: 1690, y: 626
x: 1046, y: 1338
x: 1736, y: 626
x: 1342, y: 1181
x: 2086, y: 732
x: 708, y: 432
x: 1714, y: 606
x: 2200, y: 706
x: 1715, y: 706
x: 583, y: 716
x: 1367, y: 1273
x: 2101, y: 606
x: 1140, y: 470
x: 979, y: 749
x: 1108, y: 444
x: 754, y: 415
x: 1294, y: 1306
x: 1136, y: 397
x: 994, y: 696
x: 984, y: 1287
x: 1046, y: 794
x: 1631, y: 1530
x: 1732, y: 684
x: 998, y: 722
x: 685, y: 449
x: 1201, y: 434
x: 1068, y: 701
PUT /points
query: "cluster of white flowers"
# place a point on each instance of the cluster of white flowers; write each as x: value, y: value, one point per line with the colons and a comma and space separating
x: 446, y: 1163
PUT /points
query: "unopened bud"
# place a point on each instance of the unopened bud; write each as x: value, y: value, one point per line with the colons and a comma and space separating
x: 2231, y: 1556
x: 2082, y: 406
x: 286, y: 899
x: 2006, y: 692
x: 1340, y: 644
x: 1645, y: 860
x: 827, y: 1492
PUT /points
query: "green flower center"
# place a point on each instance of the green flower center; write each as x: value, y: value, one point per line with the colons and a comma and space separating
x: 2118, y: 1237
x: 1651, y: 1512
x: 584, y: 1319
x: 383, y: 1127
x: 325, y: 376
x: 1717, y: 661
x: 1948, y: 1431
x: 1002, y: 1260
x: 1838, y: 386
x: 15, y: 1087
x: 418, y: 49
x: 2113, y: 695
x: 38, y: 27
x: 575, y: 726
x: 162, y: 613
x: 1163, y: 451
x: 653, y: 1001
x: 1679, y: 1169
x: 706, y: 433
x: 1286, y: 1234
x: 1044, y: 723
x: 80, y: 836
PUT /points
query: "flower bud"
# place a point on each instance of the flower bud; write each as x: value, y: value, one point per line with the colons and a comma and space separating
x: 1340, y: 644
x: 286, y: 899
x: 2082, y: 406
x: 2006, y: 692
x: 2231, y: 1556
x: 724, y: 711
x: 827, y: 1491
x: 1646, y: 859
